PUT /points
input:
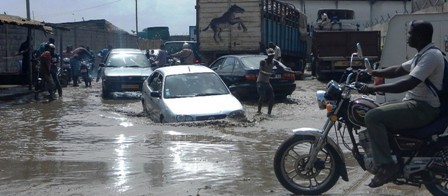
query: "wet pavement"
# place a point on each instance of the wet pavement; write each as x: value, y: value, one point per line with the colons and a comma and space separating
x: 81, y: 144
x: 13, y: 91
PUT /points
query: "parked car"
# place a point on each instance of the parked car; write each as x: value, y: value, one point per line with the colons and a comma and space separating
x: 175, y: 46
x: 125, y: 69
x: 185, y: 93
x: 240, y: 72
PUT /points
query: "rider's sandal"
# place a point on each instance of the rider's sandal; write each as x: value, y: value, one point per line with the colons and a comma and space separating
x: 385, y: 174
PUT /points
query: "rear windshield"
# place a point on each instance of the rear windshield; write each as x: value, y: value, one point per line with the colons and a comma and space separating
x: 127, y: 60
x: 253, y: 62
x: 173, y: 47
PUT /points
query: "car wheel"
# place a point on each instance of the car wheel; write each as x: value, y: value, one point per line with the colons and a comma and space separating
x: 162, y: 119
x: 144, y: 107
x: 281, y: 97
x: 105, y: 93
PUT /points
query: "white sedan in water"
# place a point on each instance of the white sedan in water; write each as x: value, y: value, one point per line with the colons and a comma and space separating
x: 188, y: 93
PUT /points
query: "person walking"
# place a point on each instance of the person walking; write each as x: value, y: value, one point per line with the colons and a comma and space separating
x: 44, y: 68
x: 102, y: 54
x: 54, y: 69
x: 264, y: 87
x: 186, y: 55
x: 162, y: 56
x: 418, y: 108
x: 25, y: 52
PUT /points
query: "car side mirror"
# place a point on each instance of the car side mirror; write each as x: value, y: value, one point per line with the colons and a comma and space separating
x: 155, y: 94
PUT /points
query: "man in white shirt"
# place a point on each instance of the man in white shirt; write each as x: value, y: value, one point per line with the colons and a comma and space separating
x: 419, y: 107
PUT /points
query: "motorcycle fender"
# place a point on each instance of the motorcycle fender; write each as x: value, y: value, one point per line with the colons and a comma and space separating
x: 316, y: 133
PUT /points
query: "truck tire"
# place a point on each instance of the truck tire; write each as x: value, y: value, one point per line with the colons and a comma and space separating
x: 320, y: 75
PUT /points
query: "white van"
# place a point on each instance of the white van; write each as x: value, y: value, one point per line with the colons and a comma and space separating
x: 396, y: 50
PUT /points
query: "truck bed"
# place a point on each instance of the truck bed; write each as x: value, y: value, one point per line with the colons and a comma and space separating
x: 343, y: 43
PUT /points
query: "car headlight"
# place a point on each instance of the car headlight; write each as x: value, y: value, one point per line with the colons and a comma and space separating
x: 236, y: 114
x: 183, y: 118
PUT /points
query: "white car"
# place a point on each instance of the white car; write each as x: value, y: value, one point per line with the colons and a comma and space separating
x: 188, y: 93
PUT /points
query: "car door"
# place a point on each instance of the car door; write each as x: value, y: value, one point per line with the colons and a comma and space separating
x: 154, y: 103
x: 225, y: 70
x: 238, y: 72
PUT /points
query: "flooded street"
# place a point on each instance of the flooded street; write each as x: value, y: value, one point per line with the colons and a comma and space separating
x: 81, y: 144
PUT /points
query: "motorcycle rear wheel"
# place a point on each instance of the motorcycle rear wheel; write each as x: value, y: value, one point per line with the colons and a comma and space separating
x: 289, y: 166
x: 440, y: 186
x: 63, y: 81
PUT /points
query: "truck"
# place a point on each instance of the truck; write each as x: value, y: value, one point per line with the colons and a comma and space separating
x: 334, y: 40
x: 247, y: 26
x: 396, y: 50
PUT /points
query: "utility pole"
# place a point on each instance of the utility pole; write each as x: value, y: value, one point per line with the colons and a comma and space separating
x: 30, y: 47
x: 136, y: 23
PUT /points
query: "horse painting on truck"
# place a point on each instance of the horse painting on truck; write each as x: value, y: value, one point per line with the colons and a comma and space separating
x: 247, y: 26
x: 226, y: 21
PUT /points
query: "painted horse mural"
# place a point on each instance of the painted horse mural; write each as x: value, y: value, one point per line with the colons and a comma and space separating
x: 225, y: 21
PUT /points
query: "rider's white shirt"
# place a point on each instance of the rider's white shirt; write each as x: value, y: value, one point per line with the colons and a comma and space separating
x: 430, y: 64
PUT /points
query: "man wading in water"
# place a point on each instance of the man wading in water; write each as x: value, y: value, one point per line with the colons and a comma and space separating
x: 264, y: 88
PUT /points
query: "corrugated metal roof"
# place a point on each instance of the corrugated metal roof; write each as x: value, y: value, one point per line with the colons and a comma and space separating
x: 16, y: 20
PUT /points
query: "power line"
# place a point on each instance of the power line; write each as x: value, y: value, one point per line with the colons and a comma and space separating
x: 78, y: 10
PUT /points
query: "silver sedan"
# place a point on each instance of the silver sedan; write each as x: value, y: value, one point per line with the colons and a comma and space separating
x: 188, y: 93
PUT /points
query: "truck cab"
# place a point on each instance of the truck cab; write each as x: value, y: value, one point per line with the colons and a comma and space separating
x: 334, y: 39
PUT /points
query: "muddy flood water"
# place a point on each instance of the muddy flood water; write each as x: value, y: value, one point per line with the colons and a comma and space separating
x: 81, y: 144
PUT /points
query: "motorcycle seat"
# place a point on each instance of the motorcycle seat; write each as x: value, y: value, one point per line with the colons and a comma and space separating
x: 436, y: 127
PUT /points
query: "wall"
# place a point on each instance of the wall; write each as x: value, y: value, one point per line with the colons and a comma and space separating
x: 97, y: 34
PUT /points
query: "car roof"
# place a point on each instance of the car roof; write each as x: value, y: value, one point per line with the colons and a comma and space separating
x: 244, y: 55
x: 183, y: 69
x: 125, y: 50
x: 239, y: 56
x: 180, y: 42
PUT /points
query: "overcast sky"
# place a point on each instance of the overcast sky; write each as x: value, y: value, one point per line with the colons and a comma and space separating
x: 178, y: 15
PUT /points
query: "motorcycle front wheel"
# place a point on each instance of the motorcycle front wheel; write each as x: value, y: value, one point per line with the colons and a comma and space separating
x: 290, y: 161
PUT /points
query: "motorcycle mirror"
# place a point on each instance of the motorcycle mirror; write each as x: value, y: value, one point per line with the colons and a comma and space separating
x: 359, y: 50
x: 368, y: 66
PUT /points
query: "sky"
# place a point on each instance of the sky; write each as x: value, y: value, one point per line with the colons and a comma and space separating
x: 178, y: 15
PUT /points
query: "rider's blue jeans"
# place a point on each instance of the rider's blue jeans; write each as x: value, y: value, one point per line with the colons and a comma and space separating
x: 392, y: 116
x: 75, y: 66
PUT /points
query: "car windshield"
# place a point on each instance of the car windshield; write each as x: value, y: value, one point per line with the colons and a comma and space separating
x: 128, y: 60
x: 193, y: 84
x: 253, y: 62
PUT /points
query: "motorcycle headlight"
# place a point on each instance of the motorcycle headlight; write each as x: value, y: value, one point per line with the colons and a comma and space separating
x: 320, y: 98
x: 333, y: 91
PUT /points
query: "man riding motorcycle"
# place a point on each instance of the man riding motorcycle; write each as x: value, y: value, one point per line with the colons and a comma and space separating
x: 419, y: 107
x: 78, y: 55
x: 54, y: 68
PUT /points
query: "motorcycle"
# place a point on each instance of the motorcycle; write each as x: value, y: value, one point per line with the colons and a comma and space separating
x: 85, y: 68
x: 65, y: 72
x: 310, y: 162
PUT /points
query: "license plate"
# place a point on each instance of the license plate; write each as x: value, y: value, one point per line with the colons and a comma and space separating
x: 130, y: 86
x: 83, y: 70
x: 278, y: 76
